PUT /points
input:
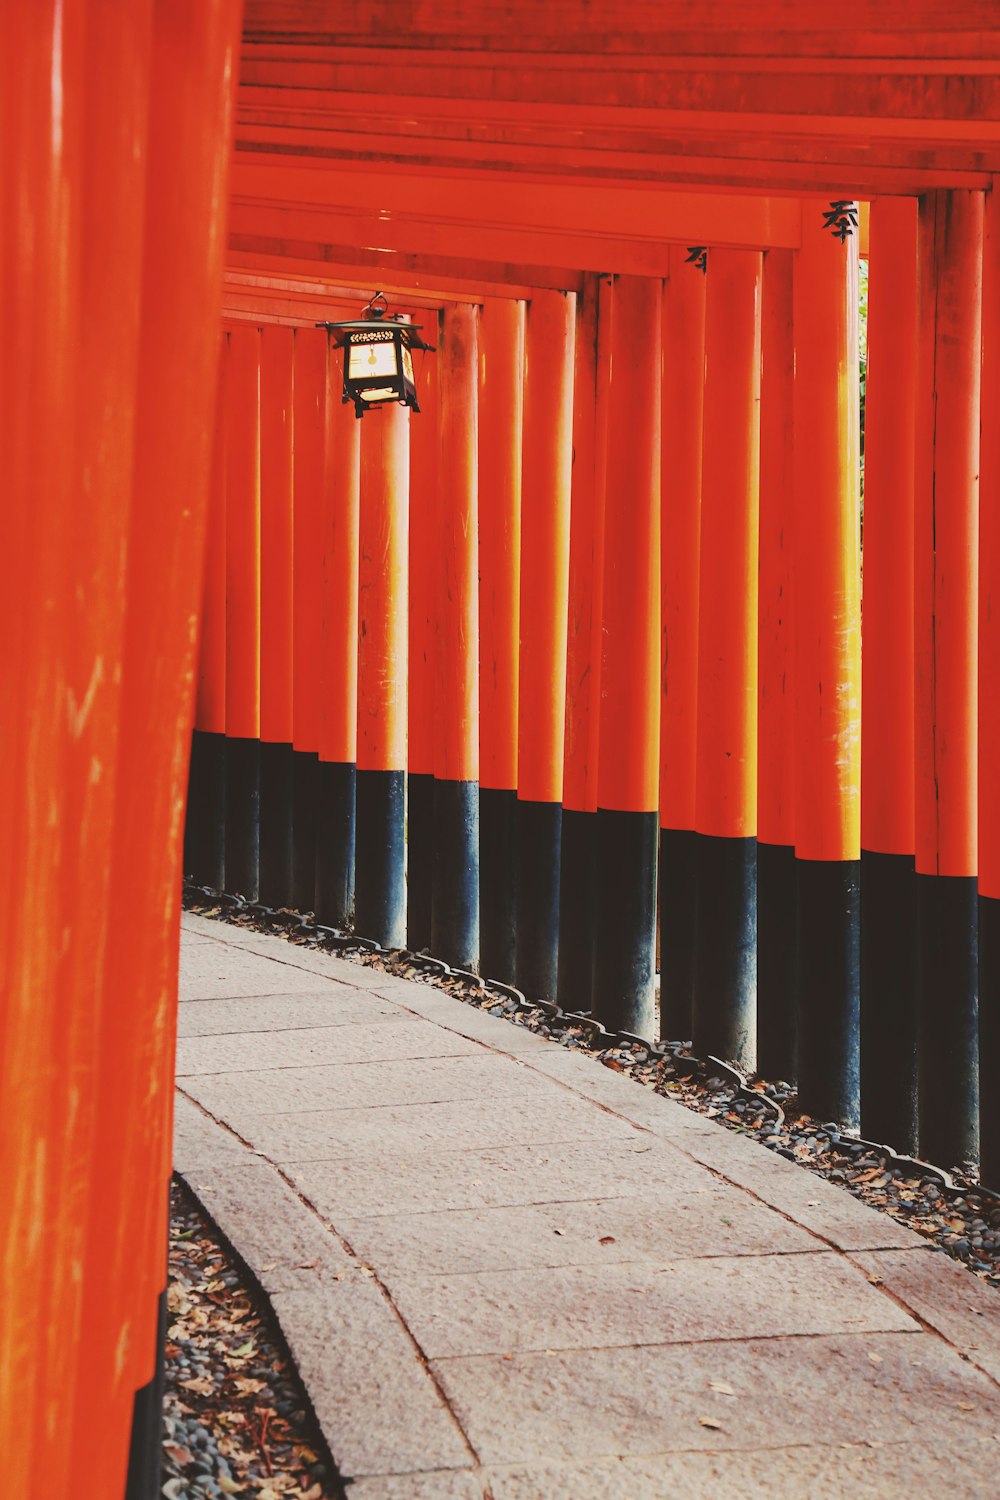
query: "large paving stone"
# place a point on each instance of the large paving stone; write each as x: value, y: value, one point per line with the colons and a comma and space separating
x: 377, y: 1406
x: 193, y: 925
x: 199, y: 1141
x: 371, y: 1085
x: 217, y: 972
x: 350, y: 1045
x: 683, y: 1301
x: 447, y: 1486
x: 587, y: 1076
x: 285, y: 1244
x: 380, y: 1183
x: 962, y: 1309
x: 722, y: 1220
x: 333, y: 1006
x: 468, y: 1124
x: 467, y: 1020
x: 311, y: 960
x: 585, y: 1404
x: 901, y: 1471
x: 829, y: 1211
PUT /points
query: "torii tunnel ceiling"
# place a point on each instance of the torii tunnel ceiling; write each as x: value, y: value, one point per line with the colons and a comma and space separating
x: 467, y: 147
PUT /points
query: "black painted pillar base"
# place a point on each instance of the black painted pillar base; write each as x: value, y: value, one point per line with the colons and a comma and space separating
x: 777, y: 962
x: 305, y: 768
x: 725, y: 967
x: 335, y: 842
x: 625, y: 927
x: 577, y: 910
x: 497, y: 835
x: 678, y: 887
x: 539, y: 836
x: 455, y: 901
x: 380, y: 860
x: 989, y: 1041
x: 205, y: 827
x: 420, y: 834
x: 243, y: 817
x: 888, y: 1001
x: 276, y: 772
x: 948, y: 1023
x: 146, y: 1443
x: 829, y: 909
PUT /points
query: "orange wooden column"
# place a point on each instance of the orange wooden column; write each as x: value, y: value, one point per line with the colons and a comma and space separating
x: 578, y: 853
x: 501, y: 372
x: 170, y: 390
x: 989, y: 709
x: 277, y: 354
x: 627, y: 777
x: 243, y: 612
x: 949, y: 270
x: 828, y: 666
x: 381, y: 774
x: 336, y: 789
x: 776, y: 960
x: 455, y: 896
x: 546, y: 485
x: 46, y: 1009
x: 888, y: 1002
x: 310, y: 382
x: 680, y: 471
x: 425, y: 444
x: 205, y: 827
x: 726, y: 792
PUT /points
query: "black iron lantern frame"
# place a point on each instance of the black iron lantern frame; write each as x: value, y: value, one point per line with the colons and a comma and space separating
x: 378, y: 364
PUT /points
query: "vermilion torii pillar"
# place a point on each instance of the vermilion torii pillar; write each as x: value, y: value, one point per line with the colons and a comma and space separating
x: 276, y: 522
x: 989, y: 709
x: 455, y: 902
x: 827, y: 665
x: 425, y: 444
x: 680, y: 471
x: 311, y: 375
x: 888, y: 1000
x: 776, y: 896
x: 726, y: 795
x: 380, y: 887
x: 336, y: 772
x: 501, y: 375
x: 205, y: 830
x: 628, y: 768
x: 949, y: 269
x: 578, y: 874
x: 243, y: 612
x: 545, y: 520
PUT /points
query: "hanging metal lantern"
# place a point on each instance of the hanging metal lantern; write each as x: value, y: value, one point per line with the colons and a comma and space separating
x: 378, y: 365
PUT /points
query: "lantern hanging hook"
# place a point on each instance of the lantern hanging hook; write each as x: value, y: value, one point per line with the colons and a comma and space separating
x: 377, y: 307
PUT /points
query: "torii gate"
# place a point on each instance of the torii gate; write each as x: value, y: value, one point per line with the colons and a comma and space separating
x: 376, y: 145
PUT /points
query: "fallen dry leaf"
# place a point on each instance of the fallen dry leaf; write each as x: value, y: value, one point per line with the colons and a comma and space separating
x: 712, y: 1422
x: 876, y: 1359
x: 722, y: 1388
x: 606, y: 1239
x: 200, y: 1385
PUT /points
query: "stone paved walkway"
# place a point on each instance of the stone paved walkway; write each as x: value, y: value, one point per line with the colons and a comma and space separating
x: 506, y: 1272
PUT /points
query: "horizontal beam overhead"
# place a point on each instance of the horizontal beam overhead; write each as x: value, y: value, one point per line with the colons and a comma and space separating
x: 495, y: 215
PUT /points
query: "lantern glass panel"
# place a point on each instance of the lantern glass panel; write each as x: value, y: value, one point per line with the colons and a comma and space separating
x: 371, y: 360
x: 378, y: 393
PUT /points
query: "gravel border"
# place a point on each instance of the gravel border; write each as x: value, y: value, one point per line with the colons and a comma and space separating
x: 237, y: 1422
